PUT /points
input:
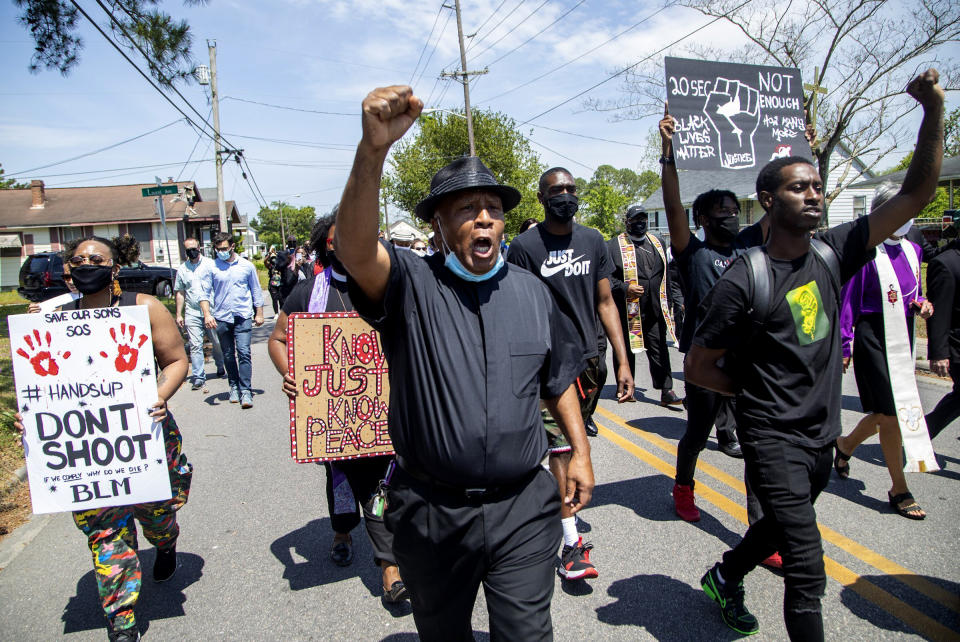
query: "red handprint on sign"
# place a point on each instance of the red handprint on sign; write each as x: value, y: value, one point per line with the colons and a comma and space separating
x: 42, y: 359
x: 127, y: 354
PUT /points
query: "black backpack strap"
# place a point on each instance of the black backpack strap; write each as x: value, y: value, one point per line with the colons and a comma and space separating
x: 759, y: 285
x: 830, y: 260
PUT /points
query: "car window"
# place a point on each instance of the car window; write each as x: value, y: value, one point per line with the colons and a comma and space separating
x: 39, y: 264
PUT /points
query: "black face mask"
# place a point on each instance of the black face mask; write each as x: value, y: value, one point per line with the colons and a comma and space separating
x: 90, y: 279
x: 193, y: 253
x: 335, y: 263
x: 637, y: 228
x: 724, y: 229
x: 562, y: 207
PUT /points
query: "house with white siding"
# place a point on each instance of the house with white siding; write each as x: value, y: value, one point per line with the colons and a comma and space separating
x: 37, y: 219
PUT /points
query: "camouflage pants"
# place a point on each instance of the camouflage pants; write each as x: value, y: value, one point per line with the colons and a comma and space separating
x: 112, y: 535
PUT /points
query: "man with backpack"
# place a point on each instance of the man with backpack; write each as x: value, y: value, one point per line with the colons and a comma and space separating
x: 770, y: 335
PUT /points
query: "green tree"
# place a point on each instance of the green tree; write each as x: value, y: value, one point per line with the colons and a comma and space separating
x: 951, y: 142
x: 136, y: 24
x: 608, y: 193
x: 10, y: 183
x: 442, y: 137
x: 601, y: 205
x: 296, y: 220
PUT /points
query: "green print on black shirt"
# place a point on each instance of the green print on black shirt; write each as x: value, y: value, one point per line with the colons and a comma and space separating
x: 809, y: 318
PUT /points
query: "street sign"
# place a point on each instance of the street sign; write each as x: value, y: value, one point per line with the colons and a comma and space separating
x: 159, y: 190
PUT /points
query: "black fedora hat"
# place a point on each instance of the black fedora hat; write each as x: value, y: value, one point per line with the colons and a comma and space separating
x: 464, y: 173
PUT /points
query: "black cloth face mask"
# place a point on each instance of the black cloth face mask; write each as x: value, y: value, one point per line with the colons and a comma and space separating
x: 90, y: 279
x: 193, y: 253
x: 562, y: 207
x: 725, y: 229
x: 637, y: 228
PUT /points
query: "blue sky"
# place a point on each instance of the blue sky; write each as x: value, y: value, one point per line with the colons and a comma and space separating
x: 325, y: 55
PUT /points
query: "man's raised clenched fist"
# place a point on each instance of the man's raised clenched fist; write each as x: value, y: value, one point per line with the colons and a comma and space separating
x: 388, y: 112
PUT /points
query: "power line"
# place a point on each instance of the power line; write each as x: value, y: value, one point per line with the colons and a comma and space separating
x: 122, y: 169
x: 584, y: 54
x: 337, y: 147
x: 443, y: 30
x: 603, y: 140
x: 199, y: 138
x: 553, y: 151
x: 496, y: 26
x: 134, y: 65
x: 426, y: 44
x: 536, y: 35
x: 250, y: 174
x: 626, y: 69
x: 309, y: 111
x: 514, y: 28
x: 96, y: 151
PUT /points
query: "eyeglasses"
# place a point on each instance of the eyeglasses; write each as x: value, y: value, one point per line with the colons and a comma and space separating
x: 94, y: 259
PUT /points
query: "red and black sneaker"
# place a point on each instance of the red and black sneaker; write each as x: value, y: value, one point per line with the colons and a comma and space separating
x: 575, y: 562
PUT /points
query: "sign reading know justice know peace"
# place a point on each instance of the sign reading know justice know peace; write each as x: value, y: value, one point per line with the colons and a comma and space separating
x: 733, y: 116
x: 85, y: 381
x: 340, y: 411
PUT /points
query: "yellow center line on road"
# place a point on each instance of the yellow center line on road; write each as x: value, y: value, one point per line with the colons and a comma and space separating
x: 874, y: 559
x: 917, y: 620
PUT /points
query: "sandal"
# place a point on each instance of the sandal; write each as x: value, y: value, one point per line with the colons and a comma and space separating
x: 840, y: 462
x: 905, y: 505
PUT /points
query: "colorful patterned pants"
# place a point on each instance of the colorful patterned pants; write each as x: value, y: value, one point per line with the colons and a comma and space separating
x: 112, y: 535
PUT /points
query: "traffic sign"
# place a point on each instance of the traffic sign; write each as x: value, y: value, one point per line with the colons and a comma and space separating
x: 159, y: 190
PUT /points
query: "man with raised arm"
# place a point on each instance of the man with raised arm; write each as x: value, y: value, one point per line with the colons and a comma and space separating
x: 472, y: 345
x: 782, y: 359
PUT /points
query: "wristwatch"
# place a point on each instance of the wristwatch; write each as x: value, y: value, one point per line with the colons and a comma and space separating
x: 666, y: 160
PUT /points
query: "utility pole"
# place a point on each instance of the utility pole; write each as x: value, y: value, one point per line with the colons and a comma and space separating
x: 465, y: 78
x: 386, y: 219
x: 215, y: 98
x: 283, y: 233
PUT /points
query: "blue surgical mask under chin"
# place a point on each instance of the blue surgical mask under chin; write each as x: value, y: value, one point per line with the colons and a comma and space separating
x: 223, y: 256
x: 454, y: 265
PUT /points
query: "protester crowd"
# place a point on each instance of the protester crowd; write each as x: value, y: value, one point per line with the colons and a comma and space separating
x: 486, y: 493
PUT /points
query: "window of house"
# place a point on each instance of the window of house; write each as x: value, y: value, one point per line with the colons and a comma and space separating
x: 70, y: 234
x: 859, y: 206
x: 143, y: 233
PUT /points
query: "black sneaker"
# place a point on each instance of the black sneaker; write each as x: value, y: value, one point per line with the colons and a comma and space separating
x: 124, y: 635
x: 732, y: 609
x: 591, y: 428
x: 575, y: 562
x: 165, y: 565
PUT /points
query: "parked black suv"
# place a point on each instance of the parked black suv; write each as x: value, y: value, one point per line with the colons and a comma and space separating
x: 41, y: 278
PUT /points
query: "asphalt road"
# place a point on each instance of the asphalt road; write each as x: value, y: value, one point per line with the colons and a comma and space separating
x: 255, y: 538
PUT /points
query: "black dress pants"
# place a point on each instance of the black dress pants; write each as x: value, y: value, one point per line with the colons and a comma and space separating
x: 447, y: 545
x: 655, y: 343
x: 345, y: 502
x: 787, y: 480
x: 704, y: 408
x: 948, y: 409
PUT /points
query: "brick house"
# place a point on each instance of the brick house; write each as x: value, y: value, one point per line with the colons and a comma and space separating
x: 37, y: 219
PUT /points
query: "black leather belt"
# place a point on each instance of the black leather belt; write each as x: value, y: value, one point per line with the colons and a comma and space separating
x: 470, y: 493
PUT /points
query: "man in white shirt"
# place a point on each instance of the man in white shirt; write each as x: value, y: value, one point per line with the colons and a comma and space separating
x: 189, y: 314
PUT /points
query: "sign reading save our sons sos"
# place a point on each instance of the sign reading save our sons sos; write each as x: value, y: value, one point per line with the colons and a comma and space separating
x: 85, y: 381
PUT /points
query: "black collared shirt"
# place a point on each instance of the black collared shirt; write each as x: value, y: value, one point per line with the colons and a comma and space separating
x: 468, y: 364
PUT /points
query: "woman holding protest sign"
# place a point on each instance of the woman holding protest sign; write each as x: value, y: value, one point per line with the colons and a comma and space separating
x: 91, y: 266
x: 353, y: 481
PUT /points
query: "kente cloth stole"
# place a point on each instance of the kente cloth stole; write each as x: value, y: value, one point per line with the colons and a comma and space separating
x: 628, y: 255
x: 901, y: 365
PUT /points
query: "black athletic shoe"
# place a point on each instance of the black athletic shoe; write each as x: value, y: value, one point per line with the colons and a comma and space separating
x: 731, y: 449
x: 591, y: 428
x: 165, y: 565
x: 732, y: 609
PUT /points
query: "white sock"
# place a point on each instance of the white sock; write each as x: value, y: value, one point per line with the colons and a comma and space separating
x: 570, y: 535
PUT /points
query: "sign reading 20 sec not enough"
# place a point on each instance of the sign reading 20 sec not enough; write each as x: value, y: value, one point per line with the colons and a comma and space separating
x: 340, y: 411
x: 733, y: 116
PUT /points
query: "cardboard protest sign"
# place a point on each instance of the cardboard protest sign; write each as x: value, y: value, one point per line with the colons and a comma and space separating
x: 340, y: 411
x: 85, y: 381
x: 733, y: 116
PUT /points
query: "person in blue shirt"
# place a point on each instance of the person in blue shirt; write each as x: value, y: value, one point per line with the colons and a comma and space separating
x: 232, y: 303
